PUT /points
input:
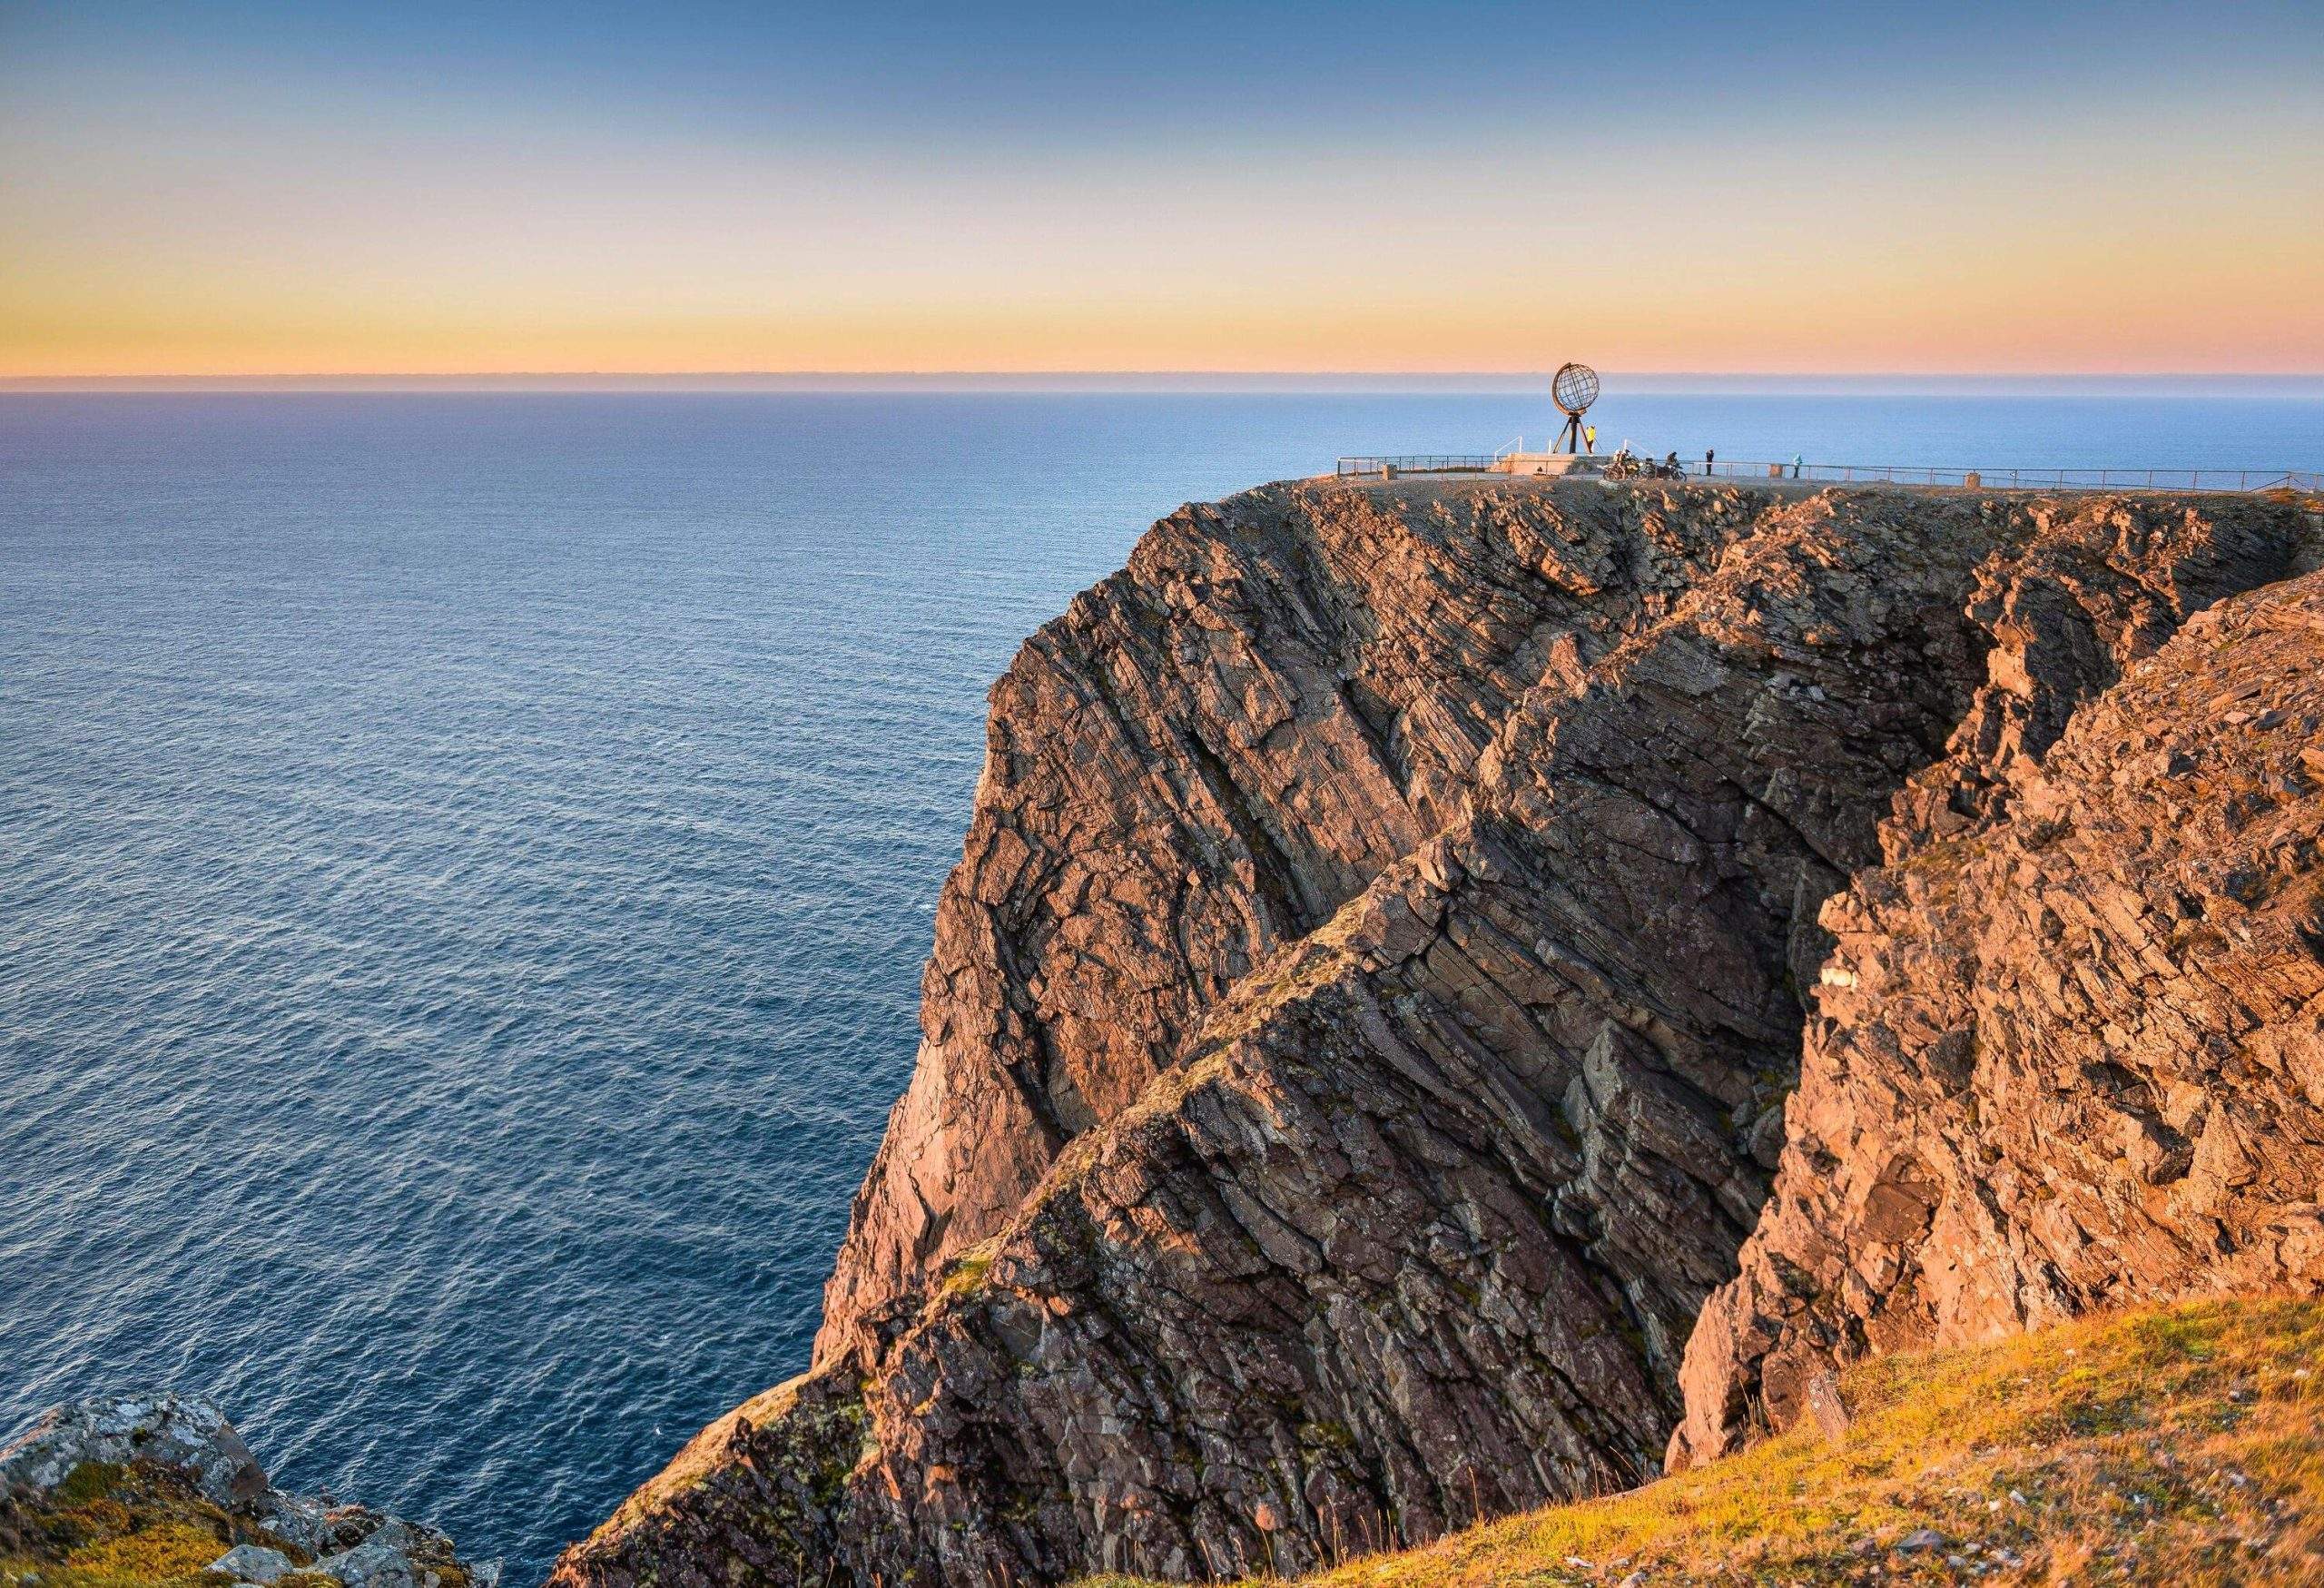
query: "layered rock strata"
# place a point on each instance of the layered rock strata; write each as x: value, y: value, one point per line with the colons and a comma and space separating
x: 1357, y: 1035
x: 1206, y: 756
x: 2072, y: 1054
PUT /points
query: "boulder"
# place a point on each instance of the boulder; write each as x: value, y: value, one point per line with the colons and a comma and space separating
x: 187, y: 1432
x: 250, y: 1562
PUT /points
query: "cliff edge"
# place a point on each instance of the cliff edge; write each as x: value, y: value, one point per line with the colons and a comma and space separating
x: 1357, y: 1042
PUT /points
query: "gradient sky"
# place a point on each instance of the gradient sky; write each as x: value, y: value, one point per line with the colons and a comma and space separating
x: 210, y: 189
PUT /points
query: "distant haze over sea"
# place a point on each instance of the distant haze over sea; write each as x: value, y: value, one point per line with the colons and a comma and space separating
x: 1222, y: 381
x: 466, y: 855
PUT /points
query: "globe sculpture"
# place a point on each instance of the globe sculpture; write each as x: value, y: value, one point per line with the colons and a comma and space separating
x: 1574, y: 388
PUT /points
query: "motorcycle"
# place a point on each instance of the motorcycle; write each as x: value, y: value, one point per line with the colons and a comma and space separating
x: 1625, y: 467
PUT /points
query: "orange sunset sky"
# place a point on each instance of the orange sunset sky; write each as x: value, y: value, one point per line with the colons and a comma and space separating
x: 238, y: 190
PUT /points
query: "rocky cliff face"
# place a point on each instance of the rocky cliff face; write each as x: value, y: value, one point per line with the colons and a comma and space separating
x: 1207, y: 756
x: 1357, y: 1037
x: 2071, y: 1054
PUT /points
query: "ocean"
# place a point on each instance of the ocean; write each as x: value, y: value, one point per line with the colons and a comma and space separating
x: 466, y: 859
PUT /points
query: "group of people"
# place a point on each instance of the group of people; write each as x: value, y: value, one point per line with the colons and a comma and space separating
x: 1625, y: 465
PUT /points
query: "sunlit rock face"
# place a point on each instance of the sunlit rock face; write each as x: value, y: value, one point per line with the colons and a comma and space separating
x: 1358, y: 1034
x: 1207, y: 756
x: 2071, y: 1055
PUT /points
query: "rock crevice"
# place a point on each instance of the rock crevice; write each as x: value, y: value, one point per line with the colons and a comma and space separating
x: 2071, y: 1055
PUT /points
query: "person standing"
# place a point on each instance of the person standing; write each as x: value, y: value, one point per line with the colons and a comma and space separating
x: 1797, y: 463
x: 1589, y: 438
x: 1710, y: 456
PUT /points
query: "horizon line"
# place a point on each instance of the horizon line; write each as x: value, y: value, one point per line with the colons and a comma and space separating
x: 1663, y: 379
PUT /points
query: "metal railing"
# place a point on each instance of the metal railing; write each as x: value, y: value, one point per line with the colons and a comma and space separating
x: 1422, y: 463
x: 2184, y: 479
x: 2177, y: 479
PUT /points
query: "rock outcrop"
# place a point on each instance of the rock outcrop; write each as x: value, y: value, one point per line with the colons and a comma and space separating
x: 1206, y: 756
x: 1358, y: 1034
x: 153, y: 1486
x: 2070, y: 1054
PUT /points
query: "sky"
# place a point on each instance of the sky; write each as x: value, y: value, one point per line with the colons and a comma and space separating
x: 198, y: 189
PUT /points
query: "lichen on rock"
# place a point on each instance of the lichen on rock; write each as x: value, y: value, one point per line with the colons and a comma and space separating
x: 159, y: 1491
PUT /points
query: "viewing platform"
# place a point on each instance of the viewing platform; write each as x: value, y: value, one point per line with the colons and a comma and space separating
x: 2305, y: 482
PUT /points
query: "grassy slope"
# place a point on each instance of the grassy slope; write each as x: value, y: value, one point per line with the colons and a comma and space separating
x: 2176, y: 1446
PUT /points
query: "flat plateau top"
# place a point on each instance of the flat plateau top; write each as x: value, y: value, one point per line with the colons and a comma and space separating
x: 1482, y: 479
x: 1466, y: 482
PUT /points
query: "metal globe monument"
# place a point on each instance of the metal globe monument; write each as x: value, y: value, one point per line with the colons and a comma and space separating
x: 1573, y: 389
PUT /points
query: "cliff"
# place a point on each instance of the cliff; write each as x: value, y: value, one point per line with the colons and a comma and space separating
x: 1356, y: 1043
x: 2072, y: 1057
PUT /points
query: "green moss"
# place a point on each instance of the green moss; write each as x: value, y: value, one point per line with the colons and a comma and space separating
x: 92, y: 1480
x: 139, y: 1525
x: 830, y: 1484
x: 1326, y: 1436
x: 967, y: 1274
x: 1947, y: 857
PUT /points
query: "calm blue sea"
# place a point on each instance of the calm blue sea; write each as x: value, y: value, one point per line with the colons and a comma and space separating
x: 465, y: 861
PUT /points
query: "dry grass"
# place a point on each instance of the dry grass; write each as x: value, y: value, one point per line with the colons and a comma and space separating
x: 2175, y: 1445
x: 117, y: 1527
